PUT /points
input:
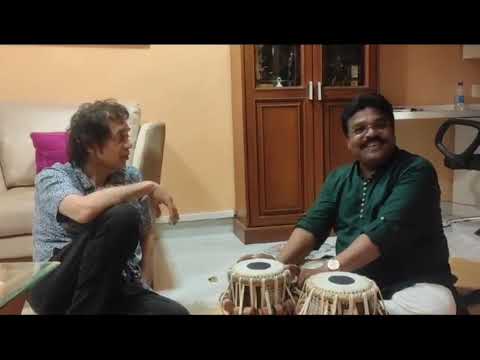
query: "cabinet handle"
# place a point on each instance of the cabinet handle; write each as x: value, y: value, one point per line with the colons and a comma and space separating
x: 310, y: 90
x: 319, y: 90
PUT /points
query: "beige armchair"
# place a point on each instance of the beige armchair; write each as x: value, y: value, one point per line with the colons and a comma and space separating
x: 17, y: 173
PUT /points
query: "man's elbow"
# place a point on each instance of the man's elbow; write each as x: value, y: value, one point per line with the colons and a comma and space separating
x: 84, y: 216
x: 79, y: 212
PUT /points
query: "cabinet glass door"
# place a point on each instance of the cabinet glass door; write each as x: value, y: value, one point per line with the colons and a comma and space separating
x: 344, y: 65
x: 277, y: 66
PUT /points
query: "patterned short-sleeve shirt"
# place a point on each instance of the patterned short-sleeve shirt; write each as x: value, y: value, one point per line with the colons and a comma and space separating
x: 53, y: 230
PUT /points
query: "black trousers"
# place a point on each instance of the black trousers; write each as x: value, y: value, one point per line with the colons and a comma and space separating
x: 89, y: 279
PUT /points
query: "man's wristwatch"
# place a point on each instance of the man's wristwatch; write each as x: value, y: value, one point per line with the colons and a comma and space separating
x: 333, y: 265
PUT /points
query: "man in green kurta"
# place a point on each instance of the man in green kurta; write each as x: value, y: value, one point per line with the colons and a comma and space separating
x: 385, y: 211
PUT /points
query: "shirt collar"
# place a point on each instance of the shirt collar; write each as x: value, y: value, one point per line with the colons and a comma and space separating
x: 117, y: 178
x: 380, y: 170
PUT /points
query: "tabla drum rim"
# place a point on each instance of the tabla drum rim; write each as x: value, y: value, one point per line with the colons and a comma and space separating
x: 240, y: 269
x: 317, y: 283
x: 322, y: 297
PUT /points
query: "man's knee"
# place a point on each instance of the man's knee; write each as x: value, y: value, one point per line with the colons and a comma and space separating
x: 177, y: 309
x: 161, y: 305
x: 422, y: 299
x: 120, y: 222
x: 121, y: 216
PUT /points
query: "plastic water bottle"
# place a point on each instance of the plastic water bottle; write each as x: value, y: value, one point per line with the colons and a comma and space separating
x: 459, y: 97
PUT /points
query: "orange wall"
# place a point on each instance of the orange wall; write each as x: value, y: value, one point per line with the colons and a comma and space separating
x: 187, y: 87
x: 426, y: 74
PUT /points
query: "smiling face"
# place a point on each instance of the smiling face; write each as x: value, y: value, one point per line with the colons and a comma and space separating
x: 371, y: 137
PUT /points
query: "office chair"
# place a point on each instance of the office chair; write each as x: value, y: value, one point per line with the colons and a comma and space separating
x: 466, y: 160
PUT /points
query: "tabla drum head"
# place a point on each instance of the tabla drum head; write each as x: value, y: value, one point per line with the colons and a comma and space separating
x: 258, y: 268
x: 339, y: 282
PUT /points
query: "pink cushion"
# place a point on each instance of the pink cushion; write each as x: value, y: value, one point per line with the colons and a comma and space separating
x: 50, y: 148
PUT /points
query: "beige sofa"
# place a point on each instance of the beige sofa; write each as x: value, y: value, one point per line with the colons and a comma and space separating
x: 17, y: 165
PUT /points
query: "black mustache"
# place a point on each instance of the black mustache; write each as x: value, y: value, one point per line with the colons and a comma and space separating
x: 376, y: 139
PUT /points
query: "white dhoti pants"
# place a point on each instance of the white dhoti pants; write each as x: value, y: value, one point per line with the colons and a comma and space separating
x: 422, y: 299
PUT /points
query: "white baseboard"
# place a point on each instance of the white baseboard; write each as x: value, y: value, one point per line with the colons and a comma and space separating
x: 214, y: 215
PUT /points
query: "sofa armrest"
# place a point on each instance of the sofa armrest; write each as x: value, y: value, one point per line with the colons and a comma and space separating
x: 148, y: 158
x: 155, y: 267
x: 3, y: 186
x: 148, y: 155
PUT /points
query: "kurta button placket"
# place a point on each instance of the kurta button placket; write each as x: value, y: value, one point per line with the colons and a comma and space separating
x: 364, y: 195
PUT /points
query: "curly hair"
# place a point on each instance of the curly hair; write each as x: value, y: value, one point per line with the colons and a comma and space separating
x: 90, y: 126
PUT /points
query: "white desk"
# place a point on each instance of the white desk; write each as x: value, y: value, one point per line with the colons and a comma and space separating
x: 437, y: 112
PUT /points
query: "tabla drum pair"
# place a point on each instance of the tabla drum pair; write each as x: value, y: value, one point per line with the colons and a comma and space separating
x: 266, y: 287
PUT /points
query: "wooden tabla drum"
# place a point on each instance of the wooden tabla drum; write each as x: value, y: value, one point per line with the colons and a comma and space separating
x: 260, y: 287
x: 340, y: 293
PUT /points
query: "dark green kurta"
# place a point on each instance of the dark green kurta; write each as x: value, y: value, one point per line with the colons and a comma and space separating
x: 398, y: 209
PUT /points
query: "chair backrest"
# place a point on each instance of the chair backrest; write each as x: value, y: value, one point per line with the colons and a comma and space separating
x: 469, y: 159
x: 17, y: 121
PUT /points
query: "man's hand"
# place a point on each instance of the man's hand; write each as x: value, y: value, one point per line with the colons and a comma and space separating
x: 306, y: 273
x: 160, y: 196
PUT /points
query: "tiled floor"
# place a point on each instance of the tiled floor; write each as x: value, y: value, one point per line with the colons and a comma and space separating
x: 199, y: 257
x: 196, y: 256
x: 462, y: 240
x: 200, y: 253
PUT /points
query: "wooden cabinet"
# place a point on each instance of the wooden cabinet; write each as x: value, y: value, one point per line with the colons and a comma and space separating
x: 287, y: 101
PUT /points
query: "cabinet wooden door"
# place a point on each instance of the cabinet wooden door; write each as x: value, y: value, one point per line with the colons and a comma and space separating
x: 279, y: 130
x: 340, y: 73
x: 336, y: 151
x: 287, y: 103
